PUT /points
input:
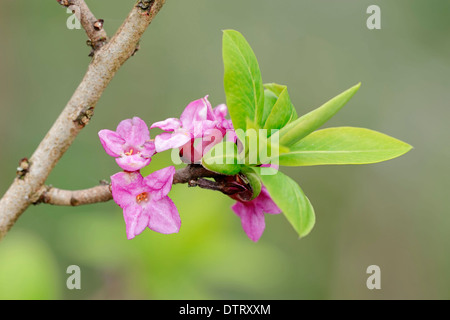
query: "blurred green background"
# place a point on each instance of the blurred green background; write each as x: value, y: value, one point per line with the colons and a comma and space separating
x: 394, y: 214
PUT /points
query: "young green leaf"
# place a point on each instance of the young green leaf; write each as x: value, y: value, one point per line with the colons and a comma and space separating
x: 222, y: 158
x: 289, y: 197
x: 259, y: 146
x: 343, y: 145
x: 242, y: 81
x: 282, y: 111
x: 253, y: 179
x: 270, y: 99
x: 300, y: 128
x: 277, y: 89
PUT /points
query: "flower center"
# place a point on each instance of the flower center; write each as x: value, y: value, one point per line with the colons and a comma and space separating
x: 142, y: 197
x: 131, y: 152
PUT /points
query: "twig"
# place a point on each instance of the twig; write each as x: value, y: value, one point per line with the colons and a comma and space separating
x: 192, y: 174
x: 93, y: 26
x: 77, y: 113
x: 60, y: 197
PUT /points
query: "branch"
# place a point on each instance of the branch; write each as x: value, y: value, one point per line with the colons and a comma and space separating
x: 93, y: 27
x: 77, y: 113
x: 192, y: 174
x: 60, y: 197
x: 209, y: 185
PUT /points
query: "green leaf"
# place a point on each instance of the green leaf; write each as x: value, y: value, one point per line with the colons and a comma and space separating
x: 311, y: 121
x: 289, y: 197
x: 282, y: 111
x: 344, y: 145
x: 222, y: 158
x: 270, y: 99
x: 253, y: 179
x: 258, y: 148
x: 242, y: 81
x: 276, y: 89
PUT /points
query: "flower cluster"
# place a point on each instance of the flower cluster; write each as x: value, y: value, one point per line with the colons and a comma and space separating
x: 145, y: 200
x: 198, y: 121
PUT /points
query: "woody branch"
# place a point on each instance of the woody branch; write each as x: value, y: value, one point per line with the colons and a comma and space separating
x: 193, y: 175
x: 106, y: 60
x: 93, y: 26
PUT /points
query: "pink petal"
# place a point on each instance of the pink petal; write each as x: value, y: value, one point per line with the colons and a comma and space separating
x: 134, y: 162
x: 227, y: 125
x: 265, y: 202
x: 252, y: 219
x: 148, y: 149
x: 196, y: 111
x: 112, y: 142
x: 270, y: 165
x: 135, y: 220
x: 191, y: 152
x: 209, y: 110
x: 170, y: 124
x: 200, y: 127
x: 224, y: 126
x: 269, y: 169
x: 211, y: 137
x: 160, y: 182
x: 231, y: 136
x: 164, y: 217
x: 125, y: 186
x: 134, y: 131
x: 220, y: 112
x: 166, y: 141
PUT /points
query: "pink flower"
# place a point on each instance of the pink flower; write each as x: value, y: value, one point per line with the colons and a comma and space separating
x: 225, y: 125
x: 252, y: 213
x: 130, y: 144
x: 198, y: 120
x: 145, y: 202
